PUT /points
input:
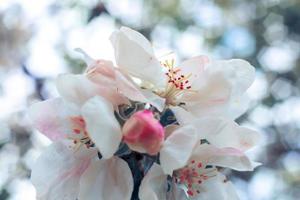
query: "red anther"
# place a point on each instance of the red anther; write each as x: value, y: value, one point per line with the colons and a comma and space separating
x: 186, y: 81
x: 77, y: 131
x: 193, y: 161
x: 199, y: 181
x: 199, y: 165
x: 190, y: 193
x: 189, y: 87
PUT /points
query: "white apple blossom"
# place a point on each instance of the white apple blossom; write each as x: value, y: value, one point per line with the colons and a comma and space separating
x: 204, y: 86
x: 60, y: 168
x: 116, y: 139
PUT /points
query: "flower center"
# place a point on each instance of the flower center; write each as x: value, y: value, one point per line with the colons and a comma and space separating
x: 79, y: 135
x: 193, y: 175
x: 177, y: 82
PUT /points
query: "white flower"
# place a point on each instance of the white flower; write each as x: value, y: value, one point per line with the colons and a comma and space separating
x: 224, y: 136
x: 60, y: 168
x: 191, y: 162
x: 204, y: 86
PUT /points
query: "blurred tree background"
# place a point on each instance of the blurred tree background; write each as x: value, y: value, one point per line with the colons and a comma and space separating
x: 37, y: 41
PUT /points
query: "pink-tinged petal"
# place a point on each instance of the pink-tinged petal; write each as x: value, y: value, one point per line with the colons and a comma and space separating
x: 57, y: 171
x: 106, y: 180
x: 154, y: 185
x: 223, y: 157
x: 52, y: 118
x: 78, y: 89
x: 101, y: 125
x: 178, y: 148
x: 221, y: 133
x: 217, y: 188
x: 134, y: 55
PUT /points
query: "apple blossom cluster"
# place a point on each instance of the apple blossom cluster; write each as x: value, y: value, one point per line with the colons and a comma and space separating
x: 144, y: 129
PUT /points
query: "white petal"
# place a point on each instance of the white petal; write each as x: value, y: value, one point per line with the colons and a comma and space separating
x: 106, y: 180
x: 134, y: 54
x: 178, y: 148
x: 223, y: 157
x: 211, y: 96
x: 154, y: 184
x: 226, y: 133
x: 239, y: 72
x: 238, y: 106
x: 75, y: 88
x: 154, y: 100
x: 57, y: 171
x: 182, y: 116
x: 52, y: 117
x: 127, y: 87
x: 102, y: 126
x: 244, y: 75
x: 217, y: 188
x: 194, y: 67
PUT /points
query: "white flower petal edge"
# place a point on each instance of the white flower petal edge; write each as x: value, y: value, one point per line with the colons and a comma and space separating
x: 223, y: 157
x: 106, y: 179
x: 51, y: 117
x: 222, y: 132
x: 78, y: 89
x: 134, y: 54
x: 154, y: 184
x: 102, y: 126
x: 57, y: 172
x: 178, y: 148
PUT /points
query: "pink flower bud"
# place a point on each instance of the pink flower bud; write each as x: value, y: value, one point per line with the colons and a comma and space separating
x: 143, y: 133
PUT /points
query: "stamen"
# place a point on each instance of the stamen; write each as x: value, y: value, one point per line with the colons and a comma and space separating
x: 79, y: 135
x: 177, y: 82
x: 193, y: 175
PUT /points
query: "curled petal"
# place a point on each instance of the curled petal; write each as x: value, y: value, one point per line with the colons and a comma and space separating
x: 134, y: 54
x: 102, y: 126
x: 106, y: 179
x: 154, y: 184
x: 52, y: 118
x: 178, y: 148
